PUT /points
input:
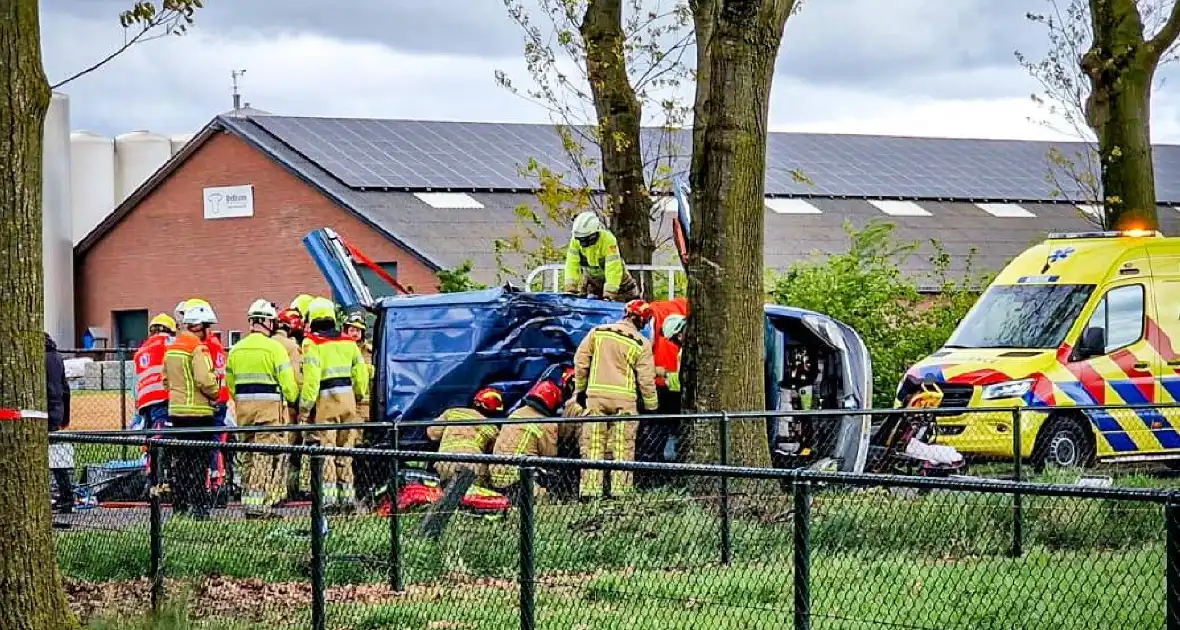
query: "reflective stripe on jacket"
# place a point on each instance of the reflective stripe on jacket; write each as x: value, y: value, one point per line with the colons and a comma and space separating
x: 188, y: 375
x: 600, y: 260
x: 466, y: 438
x: 332, y: 365
x: 614, y: 362
x: 258, y: 369
x: 149, y: 371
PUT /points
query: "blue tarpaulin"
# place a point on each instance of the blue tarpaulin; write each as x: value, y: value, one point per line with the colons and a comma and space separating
x: 439, y: 349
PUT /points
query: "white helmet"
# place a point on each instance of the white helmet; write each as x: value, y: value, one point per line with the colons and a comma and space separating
x: 200, y: 314
x: 587, y: 224
x: 673, y: 325
x: 179, y: 311
x: 261, y: 309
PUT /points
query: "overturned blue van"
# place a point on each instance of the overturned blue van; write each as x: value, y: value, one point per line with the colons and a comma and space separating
x: 432, y: 352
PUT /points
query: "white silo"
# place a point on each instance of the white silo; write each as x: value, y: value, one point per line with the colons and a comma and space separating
x: 137, y: 156
x: 57, y: 244
x: 92, y: 177
x: 178, y: 141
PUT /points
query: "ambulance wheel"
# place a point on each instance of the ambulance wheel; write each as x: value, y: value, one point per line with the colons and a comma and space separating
x: 1063, y: 443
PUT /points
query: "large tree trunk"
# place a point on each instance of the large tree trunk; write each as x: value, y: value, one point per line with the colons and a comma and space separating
x: 1121, y: 67
x: 31, y: 596
x: 738, y: 43
x: 619, y: 115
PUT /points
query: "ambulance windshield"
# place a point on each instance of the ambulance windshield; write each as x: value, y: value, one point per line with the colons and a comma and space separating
x: 1022, y: 316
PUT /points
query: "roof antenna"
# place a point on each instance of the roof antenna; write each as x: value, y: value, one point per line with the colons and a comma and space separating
x: 236, y: 74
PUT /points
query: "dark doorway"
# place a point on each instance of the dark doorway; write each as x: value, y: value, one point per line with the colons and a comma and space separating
x: 131, y: 328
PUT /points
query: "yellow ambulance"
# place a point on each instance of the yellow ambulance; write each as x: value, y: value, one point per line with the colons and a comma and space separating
x: 1082, y: 319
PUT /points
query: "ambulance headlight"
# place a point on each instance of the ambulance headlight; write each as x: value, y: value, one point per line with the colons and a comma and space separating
x: 1007, y: 389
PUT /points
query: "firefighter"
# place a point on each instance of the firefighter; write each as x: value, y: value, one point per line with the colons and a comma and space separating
x: 151, y: 398
x: 354, y: 328
x: 289, y: 334
x: 221, y: 463
x: 334, y: 377
x: 611, y: 362
x: 544, y: 400
x: 593, y: 265
x: 468, y: 439
x: 673, y: 330
x: 192, y: 393
x: 262, y: 382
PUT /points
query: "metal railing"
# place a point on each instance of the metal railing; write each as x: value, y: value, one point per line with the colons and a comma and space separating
x: 553, y: 273
x: 789, y: 548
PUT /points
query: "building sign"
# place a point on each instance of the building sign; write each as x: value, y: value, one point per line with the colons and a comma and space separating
x: 226, y: 202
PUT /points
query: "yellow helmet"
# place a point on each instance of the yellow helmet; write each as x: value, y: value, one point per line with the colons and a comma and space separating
x: 163, y: 320
x: 321, y: 308
x: 301, y: 303
x: 192, y: 303
x: 357, y: 321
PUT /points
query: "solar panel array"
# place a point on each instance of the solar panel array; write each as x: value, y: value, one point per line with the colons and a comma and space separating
x: 418, y: 155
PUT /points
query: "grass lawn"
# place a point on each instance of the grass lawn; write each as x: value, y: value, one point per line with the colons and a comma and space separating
x: 878, y: 560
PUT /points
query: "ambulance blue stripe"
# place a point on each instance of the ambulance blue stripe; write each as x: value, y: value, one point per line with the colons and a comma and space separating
x: 1110, y: 428
x: 1130, y: 394
x: 1172, y: 386
x: 934, y: 371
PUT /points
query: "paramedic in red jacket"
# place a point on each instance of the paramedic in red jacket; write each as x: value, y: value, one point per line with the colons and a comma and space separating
x: 151, y: 396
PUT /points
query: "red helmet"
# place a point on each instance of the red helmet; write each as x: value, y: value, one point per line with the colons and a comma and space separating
x: 546, y: 397
x: 488, y: 399
x: 638, y: 309
x: 291, y: 318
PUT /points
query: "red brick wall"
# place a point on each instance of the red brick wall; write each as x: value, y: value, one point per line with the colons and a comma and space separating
x: 165, y: 251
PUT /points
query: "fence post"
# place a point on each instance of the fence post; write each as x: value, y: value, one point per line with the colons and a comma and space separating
x: 122, y: 354
x: 527, y: 568
x: 726, y: 525
x: 802, y: 554
x: 318, y: 532
x: 1017, y: 497
x: 156, y: 531
x: 395, y: 535
x: 1172, y: 559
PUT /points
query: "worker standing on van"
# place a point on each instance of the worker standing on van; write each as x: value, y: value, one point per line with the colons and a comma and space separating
x: 334, y: 377
x: 535, y: 439
x: 593, y: 265
x: 290, y: 331
x: 259, y: 376
x: 468, y: 439
x: 192, y: 393
x: 611, y: 362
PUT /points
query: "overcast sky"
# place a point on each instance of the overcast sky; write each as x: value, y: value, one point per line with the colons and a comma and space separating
x: 905, y: 67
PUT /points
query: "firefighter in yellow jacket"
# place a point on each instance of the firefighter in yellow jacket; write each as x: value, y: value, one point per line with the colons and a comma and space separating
x: 612, y: 362
x: 468, y: 439
x: 593, y: 264
x: 192, y: 394
x: 334, y: 377
x: 290, y: 331
x: 534, y: 439
x: 260, y: 379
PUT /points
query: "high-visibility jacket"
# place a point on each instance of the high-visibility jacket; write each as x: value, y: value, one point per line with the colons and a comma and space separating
x: 333, y: 370
x: 149, y: 371
x: 673, y: 377
x: 463, y: 439
x: 613, y: 362
x: 188, y: 375
x: 667, y: 354
x: 294, y: 355
x: 600, y: 260
x: 258, y: 369
x: 218, y: 355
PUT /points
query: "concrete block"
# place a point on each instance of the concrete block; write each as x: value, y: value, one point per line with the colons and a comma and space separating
x: 92, y: 379
x: 112, y: 372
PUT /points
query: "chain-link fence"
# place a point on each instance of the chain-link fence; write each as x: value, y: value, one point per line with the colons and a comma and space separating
x: 102, y: 388
x: 716, y: 547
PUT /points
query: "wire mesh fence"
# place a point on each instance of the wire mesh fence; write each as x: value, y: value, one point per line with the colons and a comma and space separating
x: 719, y: 547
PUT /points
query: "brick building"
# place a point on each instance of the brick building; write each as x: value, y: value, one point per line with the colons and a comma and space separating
x: 224, y: 218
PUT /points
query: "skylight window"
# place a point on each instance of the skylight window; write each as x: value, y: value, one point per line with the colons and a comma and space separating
x: 783, y: 205
x: 1006, y: 210
x: 900, y: 208
x: 449, y: 200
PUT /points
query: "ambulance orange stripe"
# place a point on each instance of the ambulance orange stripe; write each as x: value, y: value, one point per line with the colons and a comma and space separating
x: 1141, y: 379
x: 1090, y: 379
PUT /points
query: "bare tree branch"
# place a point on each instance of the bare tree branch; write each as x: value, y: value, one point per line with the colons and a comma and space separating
x: 1166, y: 37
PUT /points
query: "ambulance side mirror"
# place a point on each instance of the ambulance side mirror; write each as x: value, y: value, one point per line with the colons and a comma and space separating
x: 1093, y: 343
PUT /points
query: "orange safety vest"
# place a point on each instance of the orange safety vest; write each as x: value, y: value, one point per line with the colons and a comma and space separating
x: 666, y: 353
x: 149, y: 372
x: 218, y: 354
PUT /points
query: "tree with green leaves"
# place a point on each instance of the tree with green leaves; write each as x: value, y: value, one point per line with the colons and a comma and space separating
x: 31, y: 595
x: 1098, y: 76
x: 737, y: 43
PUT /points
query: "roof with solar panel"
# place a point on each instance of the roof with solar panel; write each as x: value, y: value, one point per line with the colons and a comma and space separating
x: 415, y: 180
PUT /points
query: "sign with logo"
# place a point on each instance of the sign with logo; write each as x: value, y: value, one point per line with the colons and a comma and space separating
x: 228, y: 202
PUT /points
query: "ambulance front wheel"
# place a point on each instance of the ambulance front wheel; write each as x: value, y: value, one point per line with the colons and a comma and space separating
x: 1065, y: 442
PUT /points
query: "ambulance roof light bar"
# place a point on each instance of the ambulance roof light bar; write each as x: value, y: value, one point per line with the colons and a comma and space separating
x: 1053, y: 236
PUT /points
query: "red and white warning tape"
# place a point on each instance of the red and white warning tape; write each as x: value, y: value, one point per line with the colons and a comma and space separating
x: 12, y: 415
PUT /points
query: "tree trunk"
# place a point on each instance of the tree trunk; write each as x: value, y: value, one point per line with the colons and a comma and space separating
x: 724, y: 359
x: 31, y: 596
x: 1121, y: 67
x: 619, y: 115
